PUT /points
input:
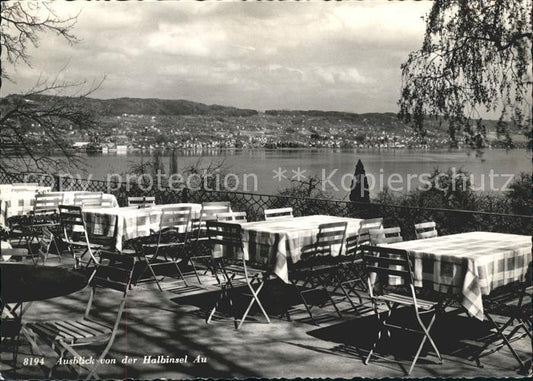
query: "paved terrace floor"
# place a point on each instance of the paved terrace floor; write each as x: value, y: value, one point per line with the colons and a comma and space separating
x: 172, y: 323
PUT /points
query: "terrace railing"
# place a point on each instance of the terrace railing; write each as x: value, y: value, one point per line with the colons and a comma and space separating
x: 449, y: 221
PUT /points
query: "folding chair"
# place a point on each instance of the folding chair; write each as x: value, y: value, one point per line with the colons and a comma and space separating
x: 279, y: 213
x: 44, y: 214
x: 232, y: 216
x: 75, y: 235
x: 234, y: 269
x: 386, y: 235
x: 209, y: 212
x: 141, y: 202
x: 169, y: 247
x: 65, y: 337
x: 382, y: 263
x: 426, y: 230
x: 351, y: 270
x: 508, y: 309
x: 316, y: 269
x: 88, y: 199
x: 199, y: 257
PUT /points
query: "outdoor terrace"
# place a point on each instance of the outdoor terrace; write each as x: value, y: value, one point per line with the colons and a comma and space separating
x: 172, y: 322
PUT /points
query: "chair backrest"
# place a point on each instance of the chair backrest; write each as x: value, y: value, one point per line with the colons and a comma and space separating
x: 387, y: 235
x: 114, y: 272
x: 71, y: 219
x: 48, y: 201
x: 426, y: 230
x: 227, y: 235
x: 211, y: 209
x: 142, y: 202
x: 88, y: 199
x: 176, y: 217
x: 232, y: 216
x: 384, y: 263
x: 351, y: 244
x: 363, y: 236
x: 278, y: 213
x: 330, y: 235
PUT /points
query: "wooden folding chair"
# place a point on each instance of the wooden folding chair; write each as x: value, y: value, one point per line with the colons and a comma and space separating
x: 88, y: 199
x: 43, y: 215
x: 65, y: 337
x: 235, y: 269
x: 141, y: 202
x: 209, y: 212
x: 75, y: 235
x: 316, y: 269
x: 426, y: 230
x: 199, y: 256
x: 168, y: 250
x: 232, y: 217
x: 382, y: 263
x: 351, y: 270
x: 386, y: 235
x: 278, y: 213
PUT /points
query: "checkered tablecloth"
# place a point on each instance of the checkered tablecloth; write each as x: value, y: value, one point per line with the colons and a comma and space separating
x: 469, y: 264
x: 273, y: 243
x: 17, y: 203
x: 20, y: 203
x: 131, y: 221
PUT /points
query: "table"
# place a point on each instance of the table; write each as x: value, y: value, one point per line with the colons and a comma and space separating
x: 131, y: 221
x: 20, y: 203
x: 272, y: 243
x: 469, y: 264
x: 27, y: 283
x: 23, y: 283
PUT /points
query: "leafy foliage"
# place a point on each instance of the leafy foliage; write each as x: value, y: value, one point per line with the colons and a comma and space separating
x: 476, y: 57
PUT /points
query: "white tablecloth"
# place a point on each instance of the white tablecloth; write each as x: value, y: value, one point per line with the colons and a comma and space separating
x: 471, y: 264
x: 131, y: 222
x: 20, y: 203
x: 277, y: 241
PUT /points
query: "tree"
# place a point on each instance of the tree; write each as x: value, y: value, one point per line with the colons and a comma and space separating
x: 360, y: 190
x: 475, y: 58
x: 33, y: 119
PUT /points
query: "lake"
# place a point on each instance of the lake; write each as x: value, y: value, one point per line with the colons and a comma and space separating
x: 268, y: 171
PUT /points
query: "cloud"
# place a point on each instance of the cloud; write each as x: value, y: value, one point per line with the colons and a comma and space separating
x: 331, y: 56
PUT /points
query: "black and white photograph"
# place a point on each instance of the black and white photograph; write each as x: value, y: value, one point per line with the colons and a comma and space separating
x: 266, y: 189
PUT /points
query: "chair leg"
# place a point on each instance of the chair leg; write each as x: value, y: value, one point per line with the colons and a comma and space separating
x: 195, y: 271
x: 423, y: 341
x: 180, y: 274
x: 381, y: 330
x: 255, y: 299
x: 332, y: 301
x: 153, y: 275
x: 351, y: 289
x: 300, y: 293
x: 506, y: 342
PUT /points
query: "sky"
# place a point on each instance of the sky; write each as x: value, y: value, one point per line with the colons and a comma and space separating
x: 338, y: 56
